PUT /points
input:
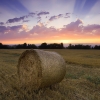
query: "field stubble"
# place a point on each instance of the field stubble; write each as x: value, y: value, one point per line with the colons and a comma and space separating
x: 82, y: 80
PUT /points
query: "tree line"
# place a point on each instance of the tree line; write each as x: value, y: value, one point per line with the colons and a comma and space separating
x: 48, y: 46
x: 80, y: 46
x: 33, y: 46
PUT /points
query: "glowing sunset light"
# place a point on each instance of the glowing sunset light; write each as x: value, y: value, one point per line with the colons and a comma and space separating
x: 65, y: 41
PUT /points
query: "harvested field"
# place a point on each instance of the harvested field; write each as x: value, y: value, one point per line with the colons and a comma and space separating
x: 81, y: 82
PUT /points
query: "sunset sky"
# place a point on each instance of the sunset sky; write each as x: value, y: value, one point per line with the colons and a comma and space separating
x: 50, y: 21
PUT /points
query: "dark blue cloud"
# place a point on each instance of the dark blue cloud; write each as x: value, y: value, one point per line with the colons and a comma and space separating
x: 15, y: 28
x: 13, y: 20
x: 13, y: 5
x: 60, y: 15
x: 67, y: 14
x: 3, y: 29
x: 55, y: 17
x: 16, y: 19
x: 26, y: 20
x: 1, y: 23
x: 31, y: 14
x: 52, y: 18
x: 42, y: 13
x: 39, y: 19
x: 11, y: 32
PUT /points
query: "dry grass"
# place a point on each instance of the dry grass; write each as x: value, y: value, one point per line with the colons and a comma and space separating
x: 86, y: 58
x: 82, y: 80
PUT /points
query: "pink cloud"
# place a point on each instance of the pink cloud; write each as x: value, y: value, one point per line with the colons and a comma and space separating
x: 42, y: 29
x: 73, y: 30
x: 74, y: 26
x: 95, y: 28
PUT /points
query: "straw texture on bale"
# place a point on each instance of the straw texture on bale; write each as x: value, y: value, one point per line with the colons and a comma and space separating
x: 38, y: 68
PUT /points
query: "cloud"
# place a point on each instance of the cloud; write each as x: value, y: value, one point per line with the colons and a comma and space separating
x: 26, y: 20
x: 67, y: 17
x: 77, y: 30
x: 67, y: 14
x: 11, y: 32
x: 34, y: 34
x: 31, y: 14
x: 16, y: 19
x: 92, y: 29
x: 3, y: 29
x: 42, y: 13
x: 13, y: 20
x: 25, y: 28
x: 1, y: 23
x: 41, y: 29
x: 40, y: 24
x: 55, y: 17
x: 73, y: 30
x: 60, y: 15
x: 39, y: 18
x: 74, y: 26
x: 52, y: 18
x: 15, y: 28
x: 38, y: 21
x: 9, y: 29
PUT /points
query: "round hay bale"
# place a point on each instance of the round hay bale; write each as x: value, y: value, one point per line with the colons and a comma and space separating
x: 38, y: 68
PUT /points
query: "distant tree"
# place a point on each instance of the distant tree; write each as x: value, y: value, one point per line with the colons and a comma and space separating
x: 19, y: 46
x: 1, y: 45
x: 33, y: 46
x: 43, y: 46
x: 79, y: 46
x: 97, y: 47
x: 62, y: 46
x: 25, y: 46
x: 55, y: 46
x: 71, y: 46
